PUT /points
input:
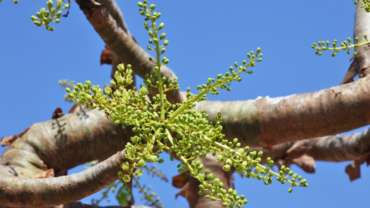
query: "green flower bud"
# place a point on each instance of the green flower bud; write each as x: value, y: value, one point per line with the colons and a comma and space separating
x: 161, y: 26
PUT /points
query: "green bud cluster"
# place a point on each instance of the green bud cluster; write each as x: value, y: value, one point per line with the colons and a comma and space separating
x: 349, y: 45
x: 157, y: 38
x: 52, y: 13
x: 177, y: 129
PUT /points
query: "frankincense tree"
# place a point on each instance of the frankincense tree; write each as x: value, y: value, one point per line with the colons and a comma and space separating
x: 161, y: 119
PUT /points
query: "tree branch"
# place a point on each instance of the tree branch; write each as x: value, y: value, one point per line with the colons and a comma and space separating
x: 336, y: 148
x: 361, y: 61
x: 20, y: 192
x: 270, y: 121
x: 352, y: 72
x: 361, y: 30
x: 89, y: 135
x: 65, y: 142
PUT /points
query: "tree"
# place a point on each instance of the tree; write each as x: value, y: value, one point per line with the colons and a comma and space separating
x: 327, y: 112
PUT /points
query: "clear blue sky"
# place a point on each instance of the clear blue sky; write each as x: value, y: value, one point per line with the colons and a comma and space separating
x: 206, y: 37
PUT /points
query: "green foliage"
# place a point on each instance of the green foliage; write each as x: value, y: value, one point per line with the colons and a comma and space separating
x: 51, y: 13
x: 348, y: 45
x: 177, y: 129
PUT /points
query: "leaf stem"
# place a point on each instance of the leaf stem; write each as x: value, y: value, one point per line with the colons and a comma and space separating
x: 158, y: 68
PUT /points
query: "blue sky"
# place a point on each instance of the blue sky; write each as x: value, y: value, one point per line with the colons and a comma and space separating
x: 205, y: 38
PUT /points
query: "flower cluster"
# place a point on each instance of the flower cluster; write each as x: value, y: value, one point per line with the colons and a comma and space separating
x: 51, y: 13
x: 177, y: 129
x: 348, y: 45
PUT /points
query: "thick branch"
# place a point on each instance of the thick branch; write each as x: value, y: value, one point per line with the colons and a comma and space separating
x: 335, y: 148
x: 64, y: 143
x: 17, y: 192
x: 352, y: 72
x: 271, y: 121
x: 362, y: 29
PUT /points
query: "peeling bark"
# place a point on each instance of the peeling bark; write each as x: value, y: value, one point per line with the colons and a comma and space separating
x: 20, y: 192
x: 335, y: 148
x: 64, y: 143
x: 57, y: 145
x: 270, y: 121
x: 352, y: 72
x: 341, y: 148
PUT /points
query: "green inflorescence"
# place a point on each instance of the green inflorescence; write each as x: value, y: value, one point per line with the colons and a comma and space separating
x: 51, y: 13
x: 177, y: 129
x: 349, y: 45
